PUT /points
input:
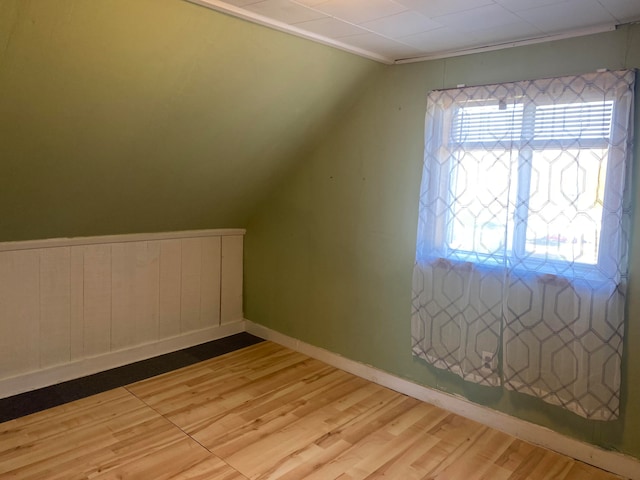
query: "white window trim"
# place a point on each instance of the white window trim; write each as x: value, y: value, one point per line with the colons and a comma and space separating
x: 523, y: 147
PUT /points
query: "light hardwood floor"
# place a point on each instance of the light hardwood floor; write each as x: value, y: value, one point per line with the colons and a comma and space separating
x: 266, y: 412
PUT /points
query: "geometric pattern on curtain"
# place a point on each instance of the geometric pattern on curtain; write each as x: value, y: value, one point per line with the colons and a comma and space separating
x: 522, y: 246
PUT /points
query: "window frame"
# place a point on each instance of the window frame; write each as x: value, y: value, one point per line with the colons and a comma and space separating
x: 523, y: 147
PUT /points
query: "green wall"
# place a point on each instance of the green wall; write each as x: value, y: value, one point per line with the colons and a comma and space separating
x: 329, y: 255
x: 121, y: 116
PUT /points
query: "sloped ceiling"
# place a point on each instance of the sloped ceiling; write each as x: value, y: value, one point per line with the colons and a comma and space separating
x: 408, y: 30
x: 122, y: 117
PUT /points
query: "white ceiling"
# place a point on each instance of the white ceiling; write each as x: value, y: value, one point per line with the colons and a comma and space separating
x: 400, y: 30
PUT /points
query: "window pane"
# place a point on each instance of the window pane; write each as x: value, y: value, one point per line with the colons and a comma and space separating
x: 565, y: 204
x: 479, y: 205
x: 487, y: 123
x: 589, y: 120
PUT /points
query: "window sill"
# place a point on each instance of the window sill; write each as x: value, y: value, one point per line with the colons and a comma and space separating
x: 549, y: 272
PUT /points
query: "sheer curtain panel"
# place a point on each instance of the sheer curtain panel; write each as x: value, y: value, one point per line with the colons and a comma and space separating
x: 521, y: 260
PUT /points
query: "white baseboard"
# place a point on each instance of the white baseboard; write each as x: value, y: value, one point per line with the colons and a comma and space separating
x: 614, y: 462
x: 88, y: 366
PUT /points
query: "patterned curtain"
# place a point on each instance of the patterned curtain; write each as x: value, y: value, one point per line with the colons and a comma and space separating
x: 521, y: 262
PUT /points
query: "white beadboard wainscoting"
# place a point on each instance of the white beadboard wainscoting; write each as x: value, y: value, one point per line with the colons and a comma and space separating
x: 72, y: 307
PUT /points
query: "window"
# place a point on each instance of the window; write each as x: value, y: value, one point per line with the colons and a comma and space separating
x: 521, y: 253
x: 523, y: 181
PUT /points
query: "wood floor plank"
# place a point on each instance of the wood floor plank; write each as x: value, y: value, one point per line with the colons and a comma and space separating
x: 282, y: 415
x: 186, y: 460
x: 110, y: 435
x: 267, y: 413
x: 53, y: 422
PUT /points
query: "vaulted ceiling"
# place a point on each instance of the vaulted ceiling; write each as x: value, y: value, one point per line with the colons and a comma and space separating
x: 122, y: 117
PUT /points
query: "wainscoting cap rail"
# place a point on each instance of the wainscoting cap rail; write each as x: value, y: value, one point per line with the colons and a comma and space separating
x: 130, y: 237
